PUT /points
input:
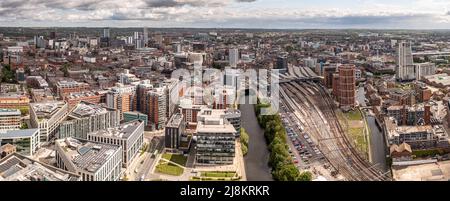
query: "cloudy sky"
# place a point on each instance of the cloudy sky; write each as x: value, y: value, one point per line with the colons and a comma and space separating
x: 405, y: 14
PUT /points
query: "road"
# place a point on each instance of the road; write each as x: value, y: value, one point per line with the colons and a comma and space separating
x: 157, y: 144
x: 257, y: 158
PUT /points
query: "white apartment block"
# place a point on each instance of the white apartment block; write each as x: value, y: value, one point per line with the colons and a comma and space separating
x: 130, y: 136
x: 405, y: 68
x: 10, y: 119
x: 88, y: 117
x: 47, y: 117
x: 424, y: 69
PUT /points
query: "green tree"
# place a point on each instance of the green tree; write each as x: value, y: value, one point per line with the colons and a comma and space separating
x: 244, y: 139
x: 287, y: 173
x: 278, y: 155
x: 305, y: 176
x: 7, y: 74
x: 65, y: 69
x: 24, y: 126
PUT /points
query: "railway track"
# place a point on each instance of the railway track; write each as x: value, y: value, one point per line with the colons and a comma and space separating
x: 312, y: 100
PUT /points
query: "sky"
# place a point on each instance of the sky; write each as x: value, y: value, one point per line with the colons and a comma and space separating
x: 271, y: 14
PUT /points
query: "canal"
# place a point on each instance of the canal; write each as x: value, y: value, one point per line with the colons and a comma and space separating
x: 257, y: 158
x: 377, y: 143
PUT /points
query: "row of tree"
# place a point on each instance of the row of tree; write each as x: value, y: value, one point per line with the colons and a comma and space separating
x: 283, y: 168
x: 244, y: 138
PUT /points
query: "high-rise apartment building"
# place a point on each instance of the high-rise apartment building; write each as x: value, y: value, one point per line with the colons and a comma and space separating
x: 145, y: 36
x: 405, y: 68
x: 106, y: 33
x: 233, y: 57
x: 155, y: 108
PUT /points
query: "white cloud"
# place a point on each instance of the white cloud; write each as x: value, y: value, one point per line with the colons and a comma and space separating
x: 221, y: 13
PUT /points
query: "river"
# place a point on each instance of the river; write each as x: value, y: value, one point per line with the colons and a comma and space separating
x: 377, y: 143
x: 257, y: 158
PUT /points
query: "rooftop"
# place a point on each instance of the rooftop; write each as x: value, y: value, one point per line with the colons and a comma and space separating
x: 66, y: 83
x: 219, y: 113
x: 9, y: 112
x: 85, y: 109
x: 394, y: 130
x: 16, y: 167
x: 436, y: 171
x: 86, y: 155
x: 75, y: 95
x: 23, y: 133
x: 123, y: 131
x: 215, y: 125
x: 175, y: 120
x: 47, y: 109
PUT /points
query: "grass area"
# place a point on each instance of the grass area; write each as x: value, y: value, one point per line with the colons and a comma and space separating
x: 357, y: 134
x: 214, y: 179
x: 429, y: 153
x: 404, y: 86
x: 218, y: 174
x: 169, y: 168
x: 353, y: 115
x: 176, y: 158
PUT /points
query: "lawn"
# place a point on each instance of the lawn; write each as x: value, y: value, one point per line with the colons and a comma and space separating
x: 218, y: 174
x: 176, y: 158
x: 357, y: 134
x: 353, y: 115
x: 168, y: 168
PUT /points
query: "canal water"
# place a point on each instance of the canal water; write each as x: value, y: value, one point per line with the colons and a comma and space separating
x: 377, y: 143
x: 257, y: 158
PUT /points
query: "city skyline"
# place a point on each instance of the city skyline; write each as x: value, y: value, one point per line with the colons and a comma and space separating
x: 270, y: 14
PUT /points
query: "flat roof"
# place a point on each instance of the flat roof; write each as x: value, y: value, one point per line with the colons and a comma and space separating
x: 215, y: 125
x: 16, y: 167
x: 23, y: 133
x: 85, y: 109
x: 6, y: 112
x: 124, y: 131
x: 47, y: 109
x: 86, y: 155
x: 437, y: 171
x: 175, y: 120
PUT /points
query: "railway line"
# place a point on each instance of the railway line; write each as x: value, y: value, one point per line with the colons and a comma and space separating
x: 315, y: 109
